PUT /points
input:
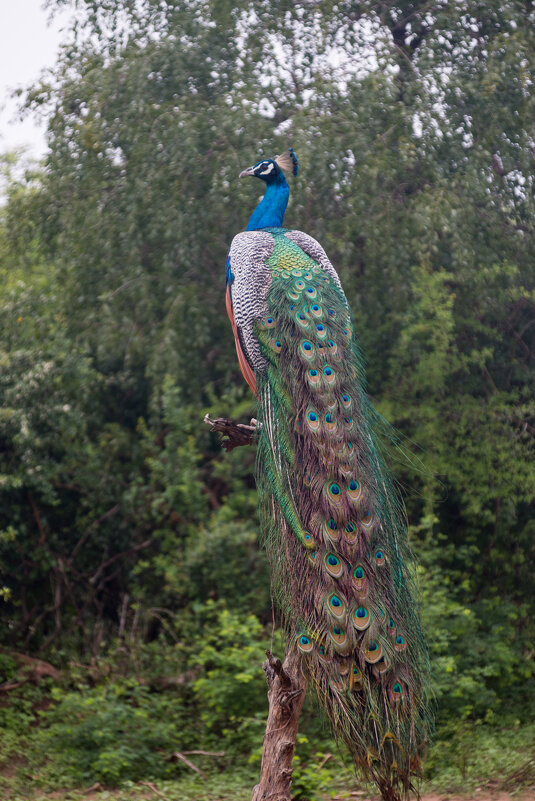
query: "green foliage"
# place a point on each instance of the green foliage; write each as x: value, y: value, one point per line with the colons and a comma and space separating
x: 223, y: 787
x: 475, y: 754
x: 124, y: 718
x: 230, y: 689
x: 317, y: 774
x: 112, y: 733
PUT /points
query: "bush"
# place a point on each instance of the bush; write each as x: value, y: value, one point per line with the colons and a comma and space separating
x: 115, y: 732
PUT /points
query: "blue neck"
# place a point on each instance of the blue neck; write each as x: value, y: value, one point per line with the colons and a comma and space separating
x: 270, y: 211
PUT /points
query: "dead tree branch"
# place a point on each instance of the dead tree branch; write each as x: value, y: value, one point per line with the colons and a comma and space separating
x: 286, y: 693
x: 232, y: 434
x: 31, y: 669
x: 190, y: 764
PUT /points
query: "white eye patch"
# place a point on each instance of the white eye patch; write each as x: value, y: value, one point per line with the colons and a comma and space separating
x: 268, y: 169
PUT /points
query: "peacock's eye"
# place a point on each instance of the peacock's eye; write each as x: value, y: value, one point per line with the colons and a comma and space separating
x: 264, y: 168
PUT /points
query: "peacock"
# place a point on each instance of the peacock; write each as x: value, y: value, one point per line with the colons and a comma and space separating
x: 332, y: 520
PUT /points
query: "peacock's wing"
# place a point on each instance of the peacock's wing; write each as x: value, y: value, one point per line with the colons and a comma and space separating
x: 248, y: 284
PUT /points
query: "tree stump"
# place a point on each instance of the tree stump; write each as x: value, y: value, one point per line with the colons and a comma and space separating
x: 286, y: 693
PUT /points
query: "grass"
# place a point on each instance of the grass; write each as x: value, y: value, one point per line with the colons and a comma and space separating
x: 214, y: 788
x: 470, y: 758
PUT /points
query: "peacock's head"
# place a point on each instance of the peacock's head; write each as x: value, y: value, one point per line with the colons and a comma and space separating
x: 271, y: 170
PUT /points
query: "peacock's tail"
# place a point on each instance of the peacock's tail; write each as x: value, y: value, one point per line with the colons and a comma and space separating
x: 334, y: 527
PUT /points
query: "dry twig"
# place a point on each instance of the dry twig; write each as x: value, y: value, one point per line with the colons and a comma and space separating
x: 190, y: 764
x: 154, y: 789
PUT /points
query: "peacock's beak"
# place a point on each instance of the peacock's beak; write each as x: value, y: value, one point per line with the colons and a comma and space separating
x: 248, y: 171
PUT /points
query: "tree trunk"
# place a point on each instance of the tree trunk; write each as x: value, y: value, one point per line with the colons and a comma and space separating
x: 286, y: 693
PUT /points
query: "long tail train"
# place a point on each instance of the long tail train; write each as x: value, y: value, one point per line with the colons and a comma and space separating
x: 335, y: 530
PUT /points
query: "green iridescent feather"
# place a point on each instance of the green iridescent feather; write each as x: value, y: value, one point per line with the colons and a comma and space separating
x: 334, y: 526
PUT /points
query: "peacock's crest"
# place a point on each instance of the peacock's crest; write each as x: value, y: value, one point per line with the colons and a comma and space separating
x: 288, y: 162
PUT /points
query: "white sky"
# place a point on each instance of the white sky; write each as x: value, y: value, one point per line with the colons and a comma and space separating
x: 28, y: 44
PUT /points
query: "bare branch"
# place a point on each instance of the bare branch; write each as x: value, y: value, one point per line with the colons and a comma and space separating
x: 108, y: 562
x: 37, y: 518
x: 236, y: 433
x: 88, y: 531
x: 122, y: 621
x: 154, y: 789
x: 32, y: 669
x: 190, y: 764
